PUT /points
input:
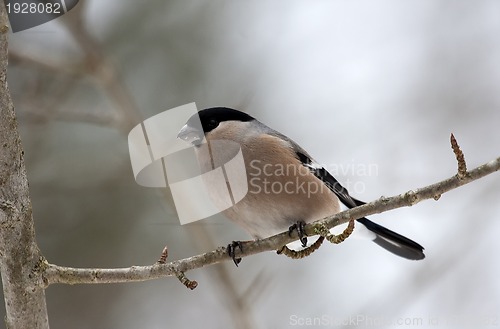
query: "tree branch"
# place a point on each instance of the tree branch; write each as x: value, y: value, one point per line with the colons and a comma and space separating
x: 59, y: 274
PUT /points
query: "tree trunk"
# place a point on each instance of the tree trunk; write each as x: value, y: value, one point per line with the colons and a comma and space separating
x: 20, y: 259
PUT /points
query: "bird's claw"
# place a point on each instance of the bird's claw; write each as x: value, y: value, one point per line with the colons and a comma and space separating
x: 300, y: 227
x: 231, y: 251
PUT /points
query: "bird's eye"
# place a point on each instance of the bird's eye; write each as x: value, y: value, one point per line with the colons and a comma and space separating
x: 212, y: 124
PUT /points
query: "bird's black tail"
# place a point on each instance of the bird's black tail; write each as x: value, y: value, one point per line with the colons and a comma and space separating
x: 394, y: 242
x: 387, y: 239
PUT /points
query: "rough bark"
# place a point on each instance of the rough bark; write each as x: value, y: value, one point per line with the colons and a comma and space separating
x: 20, y: 259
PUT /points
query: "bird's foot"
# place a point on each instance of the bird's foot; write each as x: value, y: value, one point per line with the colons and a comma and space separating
x: 231, y: 248
x: 300, y: 227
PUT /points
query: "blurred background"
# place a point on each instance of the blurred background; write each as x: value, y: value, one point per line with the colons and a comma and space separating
x: 356, y: 83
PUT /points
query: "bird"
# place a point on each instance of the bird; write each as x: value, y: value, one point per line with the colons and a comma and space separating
x: 287, y: 188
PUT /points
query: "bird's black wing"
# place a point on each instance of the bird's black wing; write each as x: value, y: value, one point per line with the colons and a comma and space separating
x: 389, y: 240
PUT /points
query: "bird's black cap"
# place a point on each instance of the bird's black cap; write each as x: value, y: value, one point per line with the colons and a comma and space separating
x: 211, y: 117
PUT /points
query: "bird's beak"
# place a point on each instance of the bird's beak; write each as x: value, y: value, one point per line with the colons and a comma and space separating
x: 191, y: 135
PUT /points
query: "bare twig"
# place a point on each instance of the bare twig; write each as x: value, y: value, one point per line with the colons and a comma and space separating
x: 97, y: 117
x: 59, y: 274
x: 20, y: 59
x: 103, y: 69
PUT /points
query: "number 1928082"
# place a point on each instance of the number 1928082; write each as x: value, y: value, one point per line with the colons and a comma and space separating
x: 34, y: 8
